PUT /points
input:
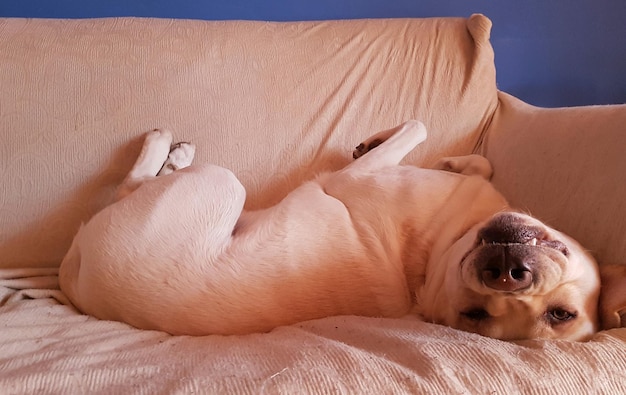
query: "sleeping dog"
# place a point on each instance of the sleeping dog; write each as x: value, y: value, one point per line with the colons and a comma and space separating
x: 178, y: 253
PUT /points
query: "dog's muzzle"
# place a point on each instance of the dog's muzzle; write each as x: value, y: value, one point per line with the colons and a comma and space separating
x: 507, y: 259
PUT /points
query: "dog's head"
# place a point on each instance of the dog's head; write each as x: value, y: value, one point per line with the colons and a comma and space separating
x: 513, y: 277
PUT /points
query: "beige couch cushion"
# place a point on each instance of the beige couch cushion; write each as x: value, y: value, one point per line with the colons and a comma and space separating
x: 275, y: 102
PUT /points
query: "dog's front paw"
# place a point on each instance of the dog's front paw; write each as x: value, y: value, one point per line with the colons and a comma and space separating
x: 366, y: 147
x: 181, y: 155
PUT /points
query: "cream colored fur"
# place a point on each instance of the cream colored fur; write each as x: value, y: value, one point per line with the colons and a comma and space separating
x: 178, y: 253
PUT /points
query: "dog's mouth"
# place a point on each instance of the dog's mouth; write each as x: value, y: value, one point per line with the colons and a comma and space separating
x: 510, y: 229
x: 539, y: 241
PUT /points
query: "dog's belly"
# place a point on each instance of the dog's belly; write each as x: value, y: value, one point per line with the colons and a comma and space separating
x: 151, y: 260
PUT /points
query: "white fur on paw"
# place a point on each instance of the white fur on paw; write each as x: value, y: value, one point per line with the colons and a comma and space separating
x: 156, y: 147
x: 159, y: 136
x: 181, y: 156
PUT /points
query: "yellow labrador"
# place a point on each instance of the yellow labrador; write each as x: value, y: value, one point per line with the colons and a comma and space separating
x: 176, y: 253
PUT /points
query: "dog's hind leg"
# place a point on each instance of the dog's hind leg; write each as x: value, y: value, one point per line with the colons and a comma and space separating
x: 180, y: 156
x: 389, y: 147
x: 157, y: 156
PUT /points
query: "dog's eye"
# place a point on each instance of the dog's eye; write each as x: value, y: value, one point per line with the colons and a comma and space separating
x: 558, y: 316
x: 476, y: 314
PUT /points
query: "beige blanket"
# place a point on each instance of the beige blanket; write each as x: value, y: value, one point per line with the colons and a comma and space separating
x: 46, y: 347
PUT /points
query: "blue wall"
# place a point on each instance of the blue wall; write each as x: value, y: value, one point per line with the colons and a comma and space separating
x: 548, y: 52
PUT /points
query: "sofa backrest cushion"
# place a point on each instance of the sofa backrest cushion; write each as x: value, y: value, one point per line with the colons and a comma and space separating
x: 274, y: 102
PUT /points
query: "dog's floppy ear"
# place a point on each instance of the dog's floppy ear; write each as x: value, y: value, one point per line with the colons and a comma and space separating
x: 613, y: 296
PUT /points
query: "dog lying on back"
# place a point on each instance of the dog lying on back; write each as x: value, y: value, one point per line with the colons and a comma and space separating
x: 177, y: 252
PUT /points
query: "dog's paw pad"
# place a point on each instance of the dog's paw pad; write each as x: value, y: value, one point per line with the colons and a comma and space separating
x: 359, y: 151
x: 181, y: 156
x: 365, y: 147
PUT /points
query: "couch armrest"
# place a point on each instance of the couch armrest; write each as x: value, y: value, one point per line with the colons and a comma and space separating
x: 566, y: 166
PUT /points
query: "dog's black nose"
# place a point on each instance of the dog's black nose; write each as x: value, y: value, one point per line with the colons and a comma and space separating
x: 506, y: 265
x: 505, y: 270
